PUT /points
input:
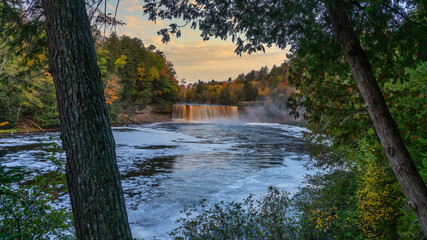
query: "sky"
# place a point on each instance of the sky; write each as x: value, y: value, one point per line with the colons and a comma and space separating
x: 192, y: 57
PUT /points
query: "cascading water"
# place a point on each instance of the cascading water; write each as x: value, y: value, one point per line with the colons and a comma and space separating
x: 189, y: 112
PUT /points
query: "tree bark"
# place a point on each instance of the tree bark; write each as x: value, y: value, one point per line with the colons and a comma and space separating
x: 386, y: 129
x: 92, y: 173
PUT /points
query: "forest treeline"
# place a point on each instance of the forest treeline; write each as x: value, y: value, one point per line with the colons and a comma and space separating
x: 262, y: 85
x: 133, y: 75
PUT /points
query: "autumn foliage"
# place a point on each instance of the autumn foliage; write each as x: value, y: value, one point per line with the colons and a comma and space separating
x: 112, y: 89
x: 262, y: 85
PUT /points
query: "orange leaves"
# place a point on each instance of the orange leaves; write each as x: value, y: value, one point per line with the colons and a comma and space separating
x: 324, y: 219
x: 263, y: 91
x: 34, y: 60
x: 112, y: 89
x: 282, y: 85
x: 386, y: 95
x: 163, y: 72
x: 157, y: 93
x: 3, y: 123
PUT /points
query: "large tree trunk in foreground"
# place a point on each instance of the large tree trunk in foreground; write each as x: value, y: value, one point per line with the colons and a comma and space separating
x: 401, y: 162
x: 92, y: 173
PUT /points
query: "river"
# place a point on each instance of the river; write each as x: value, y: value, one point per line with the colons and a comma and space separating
x: 165, y: 166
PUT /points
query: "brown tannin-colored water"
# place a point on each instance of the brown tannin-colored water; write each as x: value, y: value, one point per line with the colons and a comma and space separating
x: 187, y: 112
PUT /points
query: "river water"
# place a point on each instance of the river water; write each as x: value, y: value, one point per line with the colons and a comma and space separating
x: 165, y: 166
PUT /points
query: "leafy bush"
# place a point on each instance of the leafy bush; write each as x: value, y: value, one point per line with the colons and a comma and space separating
x: 26, y: 210
x: 271, y: 217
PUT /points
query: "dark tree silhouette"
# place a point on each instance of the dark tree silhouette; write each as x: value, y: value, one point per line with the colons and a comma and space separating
x: 92, y: 172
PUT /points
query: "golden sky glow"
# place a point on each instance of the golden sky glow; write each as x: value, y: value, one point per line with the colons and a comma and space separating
x: 192, y: 57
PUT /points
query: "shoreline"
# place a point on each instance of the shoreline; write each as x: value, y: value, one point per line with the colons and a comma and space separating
x: 132, y: 121
x: 132, y: 116
x: 151, y: 114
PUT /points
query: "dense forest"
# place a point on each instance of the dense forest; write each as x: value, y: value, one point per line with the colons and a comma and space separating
x: 133, y: 76
x: 263, y: 85
x: 357, y: 195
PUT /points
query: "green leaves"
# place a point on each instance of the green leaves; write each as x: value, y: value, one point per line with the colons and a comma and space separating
x: 251, y: 25
x: 144, y: 73
x: 270, y: 217
x: 26, y: 210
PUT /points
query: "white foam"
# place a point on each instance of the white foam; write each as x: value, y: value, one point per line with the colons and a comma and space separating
x: 289, y: 130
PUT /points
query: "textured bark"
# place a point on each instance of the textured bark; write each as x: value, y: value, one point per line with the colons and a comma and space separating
x: 401, y: 162
x: 92, y: 173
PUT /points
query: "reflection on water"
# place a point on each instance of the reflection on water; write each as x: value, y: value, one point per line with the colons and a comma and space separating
x: 151, y: 167
x: 167, y: 165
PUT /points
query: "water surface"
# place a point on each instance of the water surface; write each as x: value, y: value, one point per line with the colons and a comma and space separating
x: 167, y: 165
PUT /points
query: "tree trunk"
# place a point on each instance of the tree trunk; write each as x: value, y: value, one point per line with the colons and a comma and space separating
x: 401, y: 162
x: 92, y: 173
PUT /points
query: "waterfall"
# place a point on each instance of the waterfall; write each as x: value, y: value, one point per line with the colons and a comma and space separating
x: 197, y: 113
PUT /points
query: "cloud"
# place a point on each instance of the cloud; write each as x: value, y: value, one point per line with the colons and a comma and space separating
x: 134, y: 23
x: 131, y: 2
x: 195, y: 60
x: 156, y: 41
x: 209, y: 60
x: 110, y: 7
x: 131, y: 5
x: 132, y: 8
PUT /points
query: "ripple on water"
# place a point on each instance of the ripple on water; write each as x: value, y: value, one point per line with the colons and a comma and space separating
x: 166, y: 165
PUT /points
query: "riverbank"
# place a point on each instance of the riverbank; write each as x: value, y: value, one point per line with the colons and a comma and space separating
x: 26, y: 130
x: 146, y: 115
x: 129, y: 116
x: 154, y: 114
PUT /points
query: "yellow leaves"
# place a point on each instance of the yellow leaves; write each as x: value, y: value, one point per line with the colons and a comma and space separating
x: 3, y: 123
x: 157, y: 93
x: 263, y: 91
x: 324, y: 219
x: 377, y: 202
x: 140, y: 70
x: 120, y: 62
x: 152, y: 74
x: 34, y: 60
